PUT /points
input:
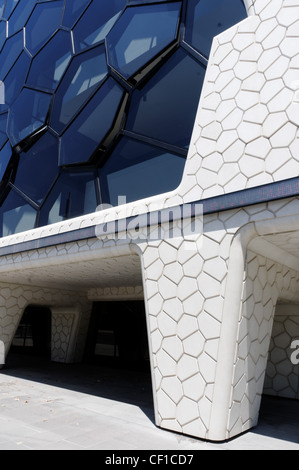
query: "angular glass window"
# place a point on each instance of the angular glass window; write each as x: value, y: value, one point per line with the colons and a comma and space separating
x: 10, y: 52
x: 138, y: 170
x: 20, y: 15
x: 85, y: 73
x: 165, y: 108
x: 27, y: 114
x: 40, y: 160
x: 3, y: 135
x: 96, y: 22
x: 73, y: 10
x: 141, y: 33
x: 50, y: 63
x: 5, y: 155
x: 45, y: 19
x: 16, y: 215
x: 15, y: 79
x: 208, y: 18
x: 9, y: 7
x: 73, y: 195
x: 91, y: 126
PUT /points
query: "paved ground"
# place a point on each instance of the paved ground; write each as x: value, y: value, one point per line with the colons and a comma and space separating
x: 45, y: 406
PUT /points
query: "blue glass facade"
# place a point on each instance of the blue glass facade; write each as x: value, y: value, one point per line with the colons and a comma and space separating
x: 100, y: 100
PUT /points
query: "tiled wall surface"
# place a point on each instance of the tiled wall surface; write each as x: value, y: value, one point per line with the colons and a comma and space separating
x: 210, y: 298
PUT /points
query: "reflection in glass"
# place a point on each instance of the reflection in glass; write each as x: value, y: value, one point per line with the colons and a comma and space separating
x: 50, y: 63
x: 20, y: 15
x: 16, y: 215
x: 74, y: 194
x: 138, y: 170
x: 208, y: 18
x: 15, y: 80
x: 3, y: 135
x: 140, y: 34
x: 40, y: 160
x: 83, y: 76
x: 2, y: 33
x: 96, y: 22
x: 9, y: 7
x: 10, y: 52
x: 165, y: 108
x: 27, y: 114
x: 73, y: 9
x: 91, y: 126
x: 45, y: 19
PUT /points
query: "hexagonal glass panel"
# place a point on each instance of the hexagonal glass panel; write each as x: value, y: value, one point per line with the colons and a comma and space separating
x: 208, y: 18
x: 45, y: 19
x: 10, y: 52
x: 138, y: 170
x: 15, y: 79
x: 85, y: 73
x: 2, y: 33
x: 27, y: 114
x: 96, y: 22
x: 50, y: 63
x: 165, y: 108
x: 73, y: 10
x: 40, y: 160
x: 9, y: 7
x: 86, y: 133
x: 74, y: 194
x: 16, y: 215
x: 140, y: 34
x: 20, y: 15
x: 5, y: 158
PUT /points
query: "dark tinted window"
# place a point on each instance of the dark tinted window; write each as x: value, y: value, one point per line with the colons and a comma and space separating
x: 73, y: 9
x: 11, y: 51
x: 208, y: 18
x: 5, y: 157
x: 96, y: 22
x: 140, y: 34
x: 74, y: 194
x: 3, y: 135
x: 45, y: 19
x: 16, y: 215
x: 138, y: 170
x: 40, y: 160
x: 20, y: 15
x: 84, y: 75
x: 15, y: 79
x: 166, y: 107
x: 27, y: 114
x: 91, y: 126
x: 51, y: 62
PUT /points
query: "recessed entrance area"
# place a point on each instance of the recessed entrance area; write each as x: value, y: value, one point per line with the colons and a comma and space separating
x: 117, y: 335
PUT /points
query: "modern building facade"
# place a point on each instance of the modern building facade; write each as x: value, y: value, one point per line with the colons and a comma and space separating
x: 149, y: 167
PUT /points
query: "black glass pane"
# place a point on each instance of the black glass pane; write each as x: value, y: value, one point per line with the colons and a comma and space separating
x: 73, y: 10
x: 166, y: 107
x: 27, y: 114
x: 37, y: 168
x: 140, y: 34
x: 4, y: 159
x: 208, y: 18
x: 16, y: 215
x: 3, y: 134
x: 96, y: 22
x: 14, y: 81
x: 73, y: 195
x: 20, y: 15
x: 43, y: 22
x: 138, y: 170
x: 50, y: 63
x: 10, y: 52
x: 10, y: 5
x: 91, y: 126
x: 83, y: 76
